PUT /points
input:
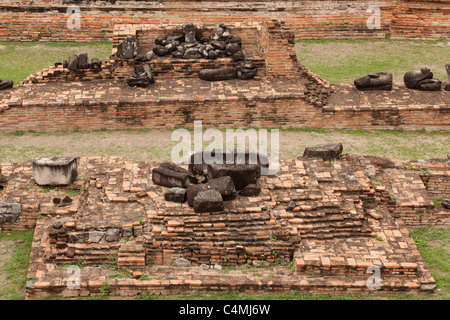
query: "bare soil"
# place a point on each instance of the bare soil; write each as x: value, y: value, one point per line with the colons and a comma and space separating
x: 156, y: 145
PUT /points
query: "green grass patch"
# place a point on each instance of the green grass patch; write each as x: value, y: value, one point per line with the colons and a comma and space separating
x: 438, y: 201
x: 342, y: 61
x: 27, y: 58
x: 433, y: 244
x: 16, y: 268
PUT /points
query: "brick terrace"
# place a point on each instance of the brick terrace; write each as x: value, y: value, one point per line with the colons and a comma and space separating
x: 330, y: 235
x: 261, y: 102
x: 284, y: 94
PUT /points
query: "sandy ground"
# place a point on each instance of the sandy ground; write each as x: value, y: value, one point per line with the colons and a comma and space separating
x: 156, y: 145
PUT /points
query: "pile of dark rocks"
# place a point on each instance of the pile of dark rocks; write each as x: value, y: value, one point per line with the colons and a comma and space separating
x: 206, y: 185
x: 190, y: 44
x: 142, y: 77
x: 80, y: 62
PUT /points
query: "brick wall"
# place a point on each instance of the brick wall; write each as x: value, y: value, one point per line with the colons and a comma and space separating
x: 47, y: 20
x: 439, y: 185
x: 269, y: 111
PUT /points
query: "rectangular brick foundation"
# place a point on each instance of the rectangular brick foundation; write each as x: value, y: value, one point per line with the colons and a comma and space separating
x: 119, y: 109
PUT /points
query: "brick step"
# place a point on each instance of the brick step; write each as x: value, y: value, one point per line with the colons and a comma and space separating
x: 85, y: 260
x: 131, y: 254
x: 323, y: 265
x: 207, y: 281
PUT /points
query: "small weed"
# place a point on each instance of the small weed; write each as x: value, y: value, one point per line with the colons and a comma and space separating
x: 113, y: 267
x: 379, y: 238
x: 106, y: 288
x: 292, y: 266
x: 46, y: 190
x: 114, y: 256
x: 438, y: 201
x: 17, y: 133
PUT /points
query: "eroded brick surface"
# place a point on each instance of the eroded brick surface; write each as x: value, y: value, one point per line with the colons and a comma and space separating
x: 330, y: 220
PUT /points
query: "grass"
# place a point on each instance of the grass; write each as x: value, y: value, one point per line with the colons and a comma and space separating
x: 16, y: 268
x: 342, y: 61
x: 18, y: 60
x: 438, y: 201
x: 433, y: 244
x: 156, y: 145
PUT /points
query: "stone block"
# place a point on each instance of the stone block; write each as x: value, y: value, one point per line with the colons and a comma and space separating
x: 193, y: 190
x: 112, y: 235
x: 171, y: 175
x: 218, y: 74
x: 242, y: 174
x: 181, y: 262
x: 96, y: 236
x: 199, y: 161
x: 251, y: 190
x: 224, y: 185
x: 175, y: 195
x: 55, y: 171
x: 324, y: 151
x: 9, y: 211
x: 208, y: 201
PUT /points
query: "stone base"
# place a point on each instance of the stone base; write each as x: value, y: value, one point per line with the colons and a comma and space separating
x: 55, y: 171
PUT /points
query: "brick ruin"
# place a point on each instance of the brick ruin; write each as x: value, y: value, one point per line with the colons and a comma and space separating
x: 316, y: 226
x: 283, y: 94
x: 46, y: 20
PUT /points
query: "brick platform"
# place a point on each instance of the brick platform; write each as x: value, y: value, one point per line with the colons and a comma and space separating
x: 343, y: 222
x: 264, y: 102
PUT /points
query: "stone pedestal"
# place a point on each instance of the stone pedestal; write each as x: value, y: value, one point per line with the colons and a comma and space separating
x: 324, y: 151
x: 55, y: 171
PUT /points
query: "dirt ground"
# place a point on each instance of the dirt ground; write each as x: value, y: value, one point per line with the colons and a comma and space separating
x: 156, y: 145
